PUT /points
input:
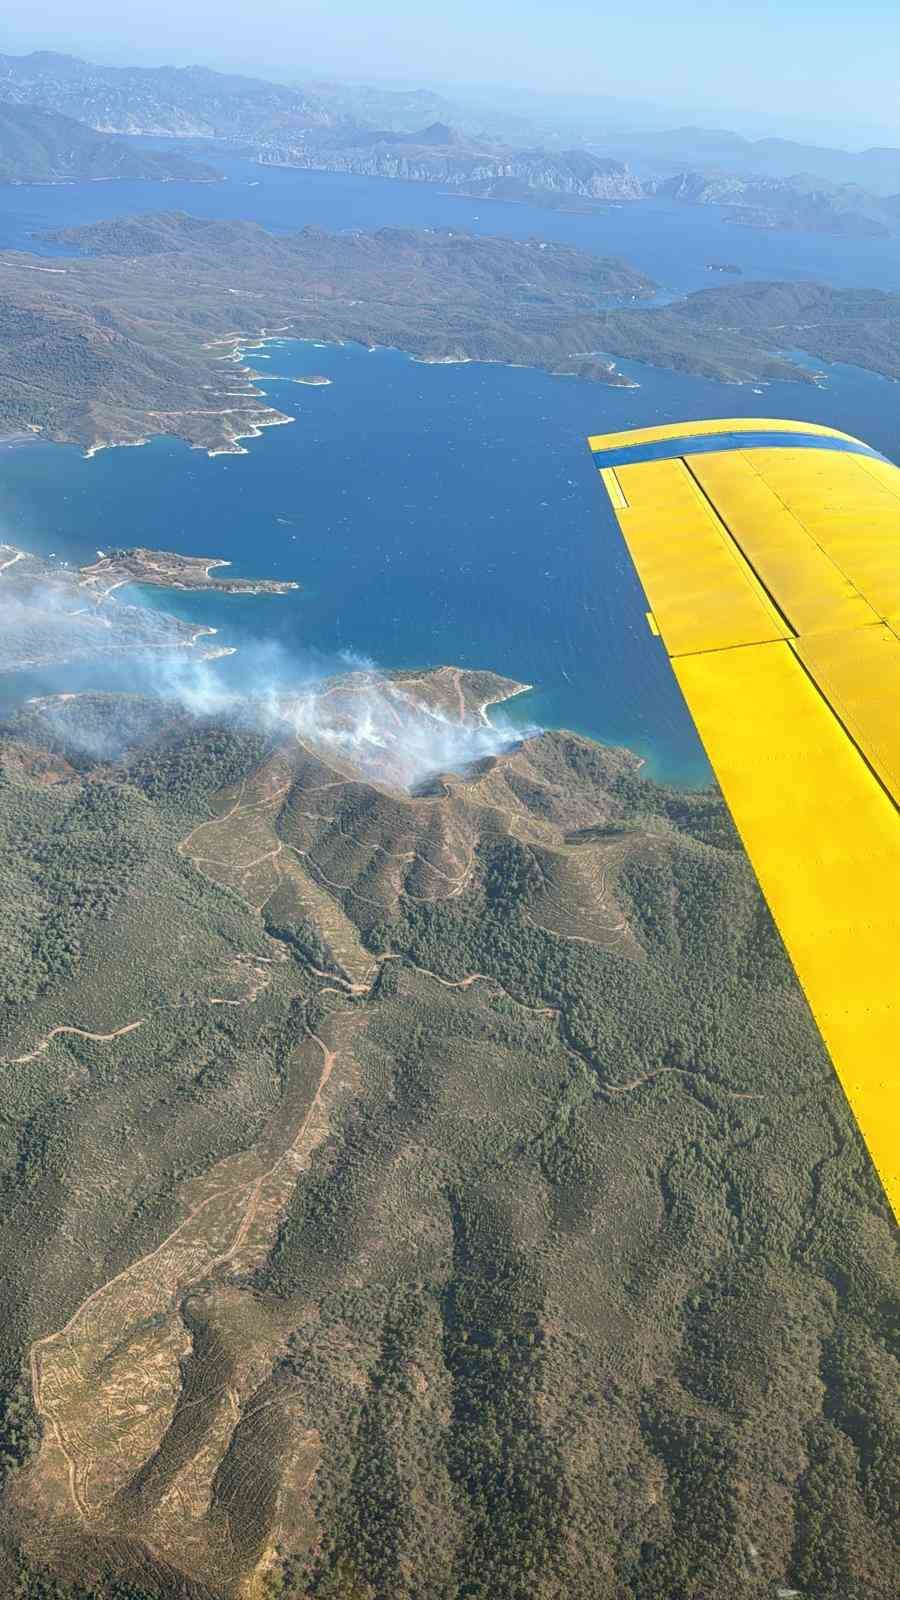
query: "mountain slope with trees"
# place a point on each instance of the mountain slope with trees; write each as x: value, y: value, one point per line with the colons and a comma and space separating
x: 438, y: 1193
x: 45, y: 147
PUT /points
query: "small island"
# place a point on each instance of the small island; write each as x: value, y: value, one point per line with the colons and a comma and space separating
x: 54, y: 613
x: 316, y: 380
x: 166, y: 570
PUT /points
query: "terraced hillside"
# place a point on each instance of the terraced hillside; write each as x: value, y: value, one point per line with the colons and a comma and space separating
x: 428, y: 1190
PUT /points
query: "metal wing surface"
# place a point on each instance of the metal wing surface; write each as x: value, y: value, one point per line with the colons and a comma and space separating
x: 769, y: 552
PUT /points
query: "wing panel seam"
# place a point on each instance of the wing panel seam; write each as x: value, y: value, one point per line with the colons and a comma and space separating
x: 806, y: 529
x: 740, y: 552
x: 851, y: 737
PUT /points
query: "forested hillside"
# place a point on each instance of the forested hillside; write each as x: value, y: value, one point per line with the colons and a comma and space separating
x: 437, y: 1193
x: 38, y: 146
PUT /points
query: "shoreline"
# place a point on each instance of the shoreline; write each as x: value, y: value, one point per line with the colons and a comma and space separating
x: 696, y: 782
x: 12, y: 441
x: 235, y: 346
x: 501, y: 699
x: 250, y: 420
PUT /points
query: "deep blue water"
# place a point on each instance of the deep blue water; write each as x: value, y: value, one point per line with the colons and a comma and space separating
x: 672, y: 243
x: 432, y: 514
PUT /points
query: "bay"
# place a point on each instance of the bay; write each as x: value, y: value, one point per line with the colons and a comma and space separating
x: 431, y: 514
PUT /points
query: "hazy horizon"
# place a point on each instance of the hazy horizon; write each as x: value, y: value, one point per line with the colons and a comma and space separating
x: 804, y: 69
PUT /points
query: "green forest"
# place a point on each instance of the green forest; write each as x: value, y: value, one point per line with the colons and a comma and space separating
x: 583, y: 1285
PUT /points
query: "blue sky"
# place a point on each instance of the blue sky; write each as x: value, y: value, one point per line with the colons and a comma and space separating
x: 830, y: 62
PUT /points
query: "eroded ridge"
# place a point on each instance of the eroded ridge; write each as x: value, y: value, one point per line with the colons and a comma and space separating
x: 109, y: 1385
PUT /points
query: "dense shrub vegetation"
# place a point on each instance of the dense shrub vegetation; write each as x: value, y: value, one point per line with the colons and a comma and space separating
x: 582, y: 1284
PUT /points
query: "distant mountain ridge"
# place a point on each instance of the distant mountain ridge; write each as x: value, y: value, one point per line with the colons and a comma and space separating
x: 44, y: 147
x: 440, y: 154
x: 800, y: 203
x: 423, y: 137
x: 876, y: 170
x: 183, y: 102
x: 197, y: 102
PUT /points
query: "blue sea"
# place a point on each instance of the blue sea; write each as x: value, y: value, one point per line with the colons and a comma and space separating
x: 431, y: 514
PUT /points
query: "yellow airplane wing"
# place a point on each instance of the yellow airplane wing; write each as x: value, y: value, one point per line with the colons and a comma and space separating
x: 770, y: 555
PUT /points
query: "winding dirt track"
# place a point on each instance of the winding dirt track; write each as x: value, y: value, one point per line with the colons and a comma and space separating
x: 247, y: 1196
x: 251, y: 1194
x: 243, y: 1200
x: 680, y: 1072
x: 81, y: 1033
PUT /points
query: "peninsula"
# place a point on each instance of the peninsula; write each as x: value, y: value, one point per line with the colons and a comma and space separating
x: 184, y: 298
x: 166, y: 570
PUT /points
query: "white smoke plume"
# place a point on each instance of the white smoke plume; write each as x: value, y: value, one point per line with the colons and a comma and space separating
x: 397, y: 733
x: 340, y: 706
x: 346, y: 709
x: 387, y: 734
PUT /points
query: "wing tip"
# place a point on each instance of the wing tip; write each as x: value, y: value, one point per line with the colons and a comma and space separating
x: 709, y: 426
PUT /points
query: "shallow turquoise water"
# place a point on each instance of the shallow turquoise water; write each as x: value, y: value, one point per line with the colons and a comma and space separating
x: 431, y: 514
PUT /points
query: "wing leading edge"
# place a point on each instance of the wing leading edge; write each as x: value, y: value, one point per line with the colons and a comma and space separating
x: 770, y: 555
